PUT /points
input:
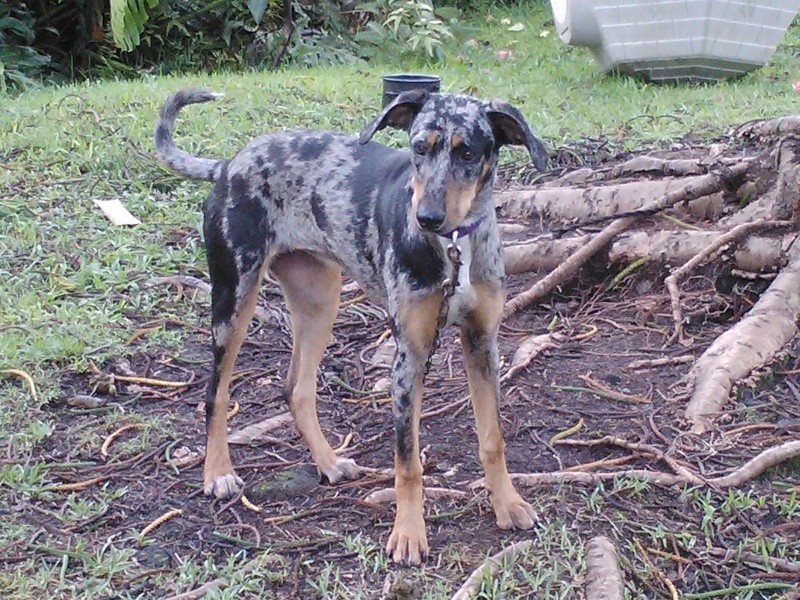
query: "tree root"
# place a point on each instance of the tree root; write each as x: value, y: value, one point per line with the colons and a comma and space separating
x: 603, y: 576
x: 569, y: 204
x: 752, y: 342
x: 732, y: 236
x: 388, y: 495
x: 489, y: 568
x: 756, y: 253
x: 753, y: 468
x: 768, y: 128
x: 696, y: 188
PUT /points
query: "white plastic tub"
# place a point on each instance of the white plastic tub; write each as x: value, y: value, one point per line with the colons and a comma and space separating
x: 668, y: 40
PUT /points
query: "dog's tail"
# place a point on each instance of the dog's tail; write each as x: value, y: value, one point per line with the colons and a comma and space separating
x: 178, y: 160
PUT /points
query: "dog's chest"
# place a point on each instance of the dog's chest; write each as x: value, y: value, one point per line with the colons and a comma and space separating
x: 464, y: 297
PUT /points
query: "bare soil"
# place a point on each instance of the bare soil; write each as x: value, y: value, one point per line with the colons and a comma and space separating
x: 306, y: 520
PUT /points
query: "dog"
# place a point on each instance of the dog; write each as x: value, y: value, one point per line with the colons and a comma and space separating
x: 308, y: 205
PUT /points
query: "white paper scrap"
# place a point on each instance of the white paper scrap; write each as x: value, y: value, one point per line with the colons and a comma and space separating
x: 116, y: 212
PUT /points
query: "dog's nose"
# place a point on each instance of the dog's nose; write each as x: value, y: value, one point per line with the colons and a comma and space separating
x: 430, y: 220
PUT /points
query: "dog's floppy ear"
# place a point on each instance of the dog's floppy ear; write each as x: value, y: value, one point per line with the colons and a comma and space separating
x: 399, y: 113
x: 510, y: 127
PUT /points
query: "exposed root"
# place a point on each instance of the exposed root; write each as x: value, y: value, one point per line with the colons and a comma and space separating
x: 752, y: 342
x: 753, y: 468
x: 529, y: 348
x: 768, y: 128
x: 665, y: 247
x: 566, y: 270
x: 253, y: 432
x: 696, y: 188
x: 603, y: 576
x: 387, y: 495
x: 732, y: 236
x: 489, y: 568
x: 654, y: 363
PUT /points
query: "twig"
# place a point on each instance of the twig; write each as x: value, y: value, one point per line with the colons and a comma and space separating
x: 489, y: 568
x: 660, y: 362
x: 659, y: 573
x: 114, y: 435
x: 222, y: 582
x: 603, y: 576
x: 731, y: 236
x: 760, y: 463
x: 160, y: 521
x: 26, y: 377
x: 78, y: 485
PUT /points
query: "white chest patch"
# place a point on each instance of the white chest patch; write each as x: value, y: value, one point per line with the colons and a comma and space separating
x: 464, y: 297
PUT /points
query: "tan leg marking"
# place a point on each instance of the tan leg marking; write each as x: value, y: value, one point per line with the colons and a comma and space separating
x: 478, y: 338
x: 219, y: 477
x: 311, y: 289
x: 416, y: 323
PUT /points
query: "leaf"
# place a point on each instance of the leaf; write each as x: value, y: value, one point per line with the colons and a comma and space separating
x: 257, y: 9
x: 517, y: 27
x: 127, y: 21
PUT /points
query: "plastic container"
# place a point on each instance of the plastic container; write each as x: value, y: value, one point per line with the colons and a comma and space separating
x: 395, y: 84
x: 676, y: 40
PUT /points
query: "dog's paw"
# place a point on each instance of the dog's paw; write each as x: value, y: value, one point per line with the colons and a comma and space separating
x: 513, y: 512
x: 408, y: 543
x: 341, y: 470
x: 223, y: 486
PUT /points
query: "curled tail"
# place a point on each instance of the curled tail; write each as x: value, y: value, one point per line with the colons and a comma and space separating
x: 176, y: 159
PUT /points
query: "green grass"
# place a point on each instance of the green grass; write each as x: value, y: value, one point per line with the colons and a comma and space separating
x: 74, y: 286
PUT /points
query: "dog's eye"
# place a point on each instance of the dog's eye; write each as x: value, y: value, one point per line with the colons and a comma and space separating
x: 465, y: 153
x: 420, y: 148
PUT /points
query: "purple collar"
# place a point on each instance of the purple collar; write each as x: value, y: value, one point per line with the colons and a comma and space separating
x: 462, y: 231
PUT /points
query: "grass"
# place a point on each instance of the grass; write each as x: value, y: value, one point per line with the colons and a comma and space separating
x: 75, y: 288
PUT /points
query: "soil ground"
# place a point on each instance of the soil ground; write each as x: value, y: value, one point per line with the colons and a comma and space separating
x: 328, y: 535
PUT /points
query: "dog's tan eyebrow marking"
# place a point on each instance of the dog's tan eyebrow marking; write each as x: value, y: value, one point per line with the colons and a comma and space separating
x: 456, y: 141
x: 431, y: 137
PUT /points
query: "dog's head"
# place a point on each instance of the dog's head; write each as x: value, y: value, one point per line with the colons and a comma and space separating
x: 454, y: 144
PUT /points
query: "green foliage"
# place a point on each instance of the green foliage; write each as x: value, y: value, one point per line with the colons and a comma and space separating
x: 406, y: 27
x: 128, y: 18
x: 20, y: 62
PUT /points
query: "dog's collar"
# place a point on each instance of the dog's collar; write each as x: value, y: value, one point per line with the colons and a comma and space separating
x: 463, y: 231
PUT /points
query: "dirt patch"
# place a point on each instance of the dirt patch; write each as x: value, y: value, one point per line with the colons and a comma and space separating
x: 311, y: 525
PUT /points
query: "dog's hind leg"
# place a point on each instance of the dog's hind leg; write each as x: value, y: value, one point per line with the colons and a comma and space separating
x: 479, y: 340
x: 311, y: 288
x: 233, y: 301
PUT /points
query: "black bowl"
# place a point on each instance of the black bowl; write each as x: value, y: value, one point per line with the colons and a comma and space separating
x: 393, y: 85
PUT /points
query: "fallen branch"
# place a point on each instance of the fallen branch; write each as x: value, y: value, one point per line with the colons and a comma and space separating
x: 603, y: 576
x: 730, y: 237
x: 488, y: 569
x: 752, y: 342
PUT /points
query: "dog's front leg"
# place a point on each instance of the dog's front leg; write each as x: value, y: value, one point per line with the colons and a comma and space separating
x: 479, y: 340
x: 414, y: 326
